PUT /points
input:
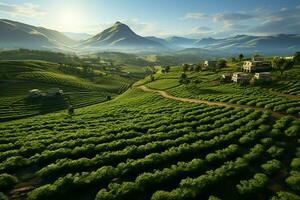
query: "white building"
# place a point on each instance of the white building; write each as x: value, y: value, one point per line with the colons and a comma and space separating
x: 257, y: 64
x: 238, y: 77
x: 264, y: 76
x: 35, y: 93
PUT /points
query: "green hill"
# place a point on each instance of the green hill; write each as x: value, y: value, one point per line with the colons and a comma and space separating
x: 27, y: 54
x: 19, y: 35
x: 18, y: 77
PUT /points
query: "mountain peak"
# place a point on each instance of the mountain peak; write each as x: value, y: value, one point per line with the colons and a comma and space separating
x: 118, y: 23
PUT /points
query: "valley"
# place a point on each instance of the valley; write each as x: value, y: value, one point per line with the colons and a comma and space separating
x: 149, y: 100
x: 181, y: 144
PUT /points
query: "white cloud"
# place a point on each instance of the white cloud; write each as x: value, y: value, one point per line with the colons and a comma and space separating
x: 238, y: 16
x: 201, y: 29
x: 234, y: 26
x: 26, y: 9
x: 282, y: 21
x: 283, y: 9
x: 196, y: 15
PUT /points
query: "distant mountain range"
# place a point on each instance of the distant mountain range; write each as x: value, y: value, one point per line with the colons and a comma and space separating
x: 175, y: 42
x: 276, y: 44
x: 18, y: 35
x: 77, y: 36
x: 120, y: 37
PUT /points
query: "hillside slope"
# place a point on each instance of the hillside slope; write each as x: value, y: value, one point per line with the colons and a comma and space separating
x: 18, y: 77
x: 19, y: 35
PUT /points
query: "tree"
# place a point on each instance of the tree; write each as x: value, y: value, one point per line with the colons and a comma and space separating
x: 71, y: 110
x: 241, y: 57
x: 184, y: 79
x: 293, y: 180
x: 258, y: 182
x: 297, y: 58
x: 257, y: 56
x: 280, y: 64
x: 7, y: 181
x: 183, y: 76
x: 221, y: 63
x: 167, y: 69
x: 152, y: 78
x: 185, y: 67
x: 3, y: 197
x: 197, y: 68
x: 271, y: 166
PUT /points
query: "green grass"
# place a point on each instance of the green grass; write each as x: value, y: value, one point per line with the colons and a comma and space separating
x: 164, y: 84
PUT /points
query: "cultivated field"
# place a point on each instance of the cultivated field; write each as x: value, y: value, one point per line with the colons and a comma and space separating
x: 18, y: 77
x: 143, y: 146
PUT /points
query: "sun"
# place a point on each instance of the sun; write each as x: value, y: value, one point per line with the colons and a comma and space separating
x: 70, y: 20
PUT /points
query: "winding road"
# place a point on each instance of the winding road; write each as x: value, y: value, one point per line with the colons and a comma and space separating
x: 211, y: 103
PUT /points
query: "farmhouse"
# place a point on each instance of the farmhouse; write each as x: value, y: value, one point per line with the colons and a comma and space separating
x: 238, y: 77
x: 54, y: 92
x: 264, y: 76
x: 209, y: 64
x: 35, y: 93
x: 257, y: 64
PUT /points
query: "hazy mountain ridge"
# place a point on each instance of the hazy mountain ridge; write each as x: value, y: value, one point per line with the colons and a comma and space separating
x: 78, y: 36
x: 18, y: 35
x: 120, y: 37
x: 276, y: 44
x: 175, y: 42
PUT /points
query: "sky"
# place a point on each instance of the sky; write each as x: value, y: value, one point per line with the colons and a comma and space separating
x: 161, y: 18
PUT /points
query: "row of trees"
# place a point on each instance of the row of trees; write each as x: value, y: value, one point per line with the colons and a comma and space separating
x: 83, y: 71
x: 167, y: 176
x: 133, y: 167
x: 221, y: 63
x: 110, y: 140
x: 281, y: 64
x: 190, y: 188
x: 254, y: 185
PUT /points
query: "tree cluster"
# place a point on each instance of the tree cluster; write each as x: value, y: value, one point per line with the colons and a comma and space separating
x: 281, y: 64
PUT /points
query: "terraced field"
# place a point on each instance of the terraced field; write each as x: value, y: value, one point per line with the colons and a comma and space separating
x: 291, y: 85
x: 18, y: 77
x: 206, y: 86
x: 143, y: 146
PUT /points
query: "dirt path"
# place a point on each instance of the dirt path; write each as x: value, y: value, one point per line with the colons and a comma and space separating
x: 211, y: 103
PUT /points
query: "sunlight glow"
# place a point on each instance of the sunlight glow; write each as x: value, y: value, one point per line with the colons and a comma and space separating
x: 70, y: 20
